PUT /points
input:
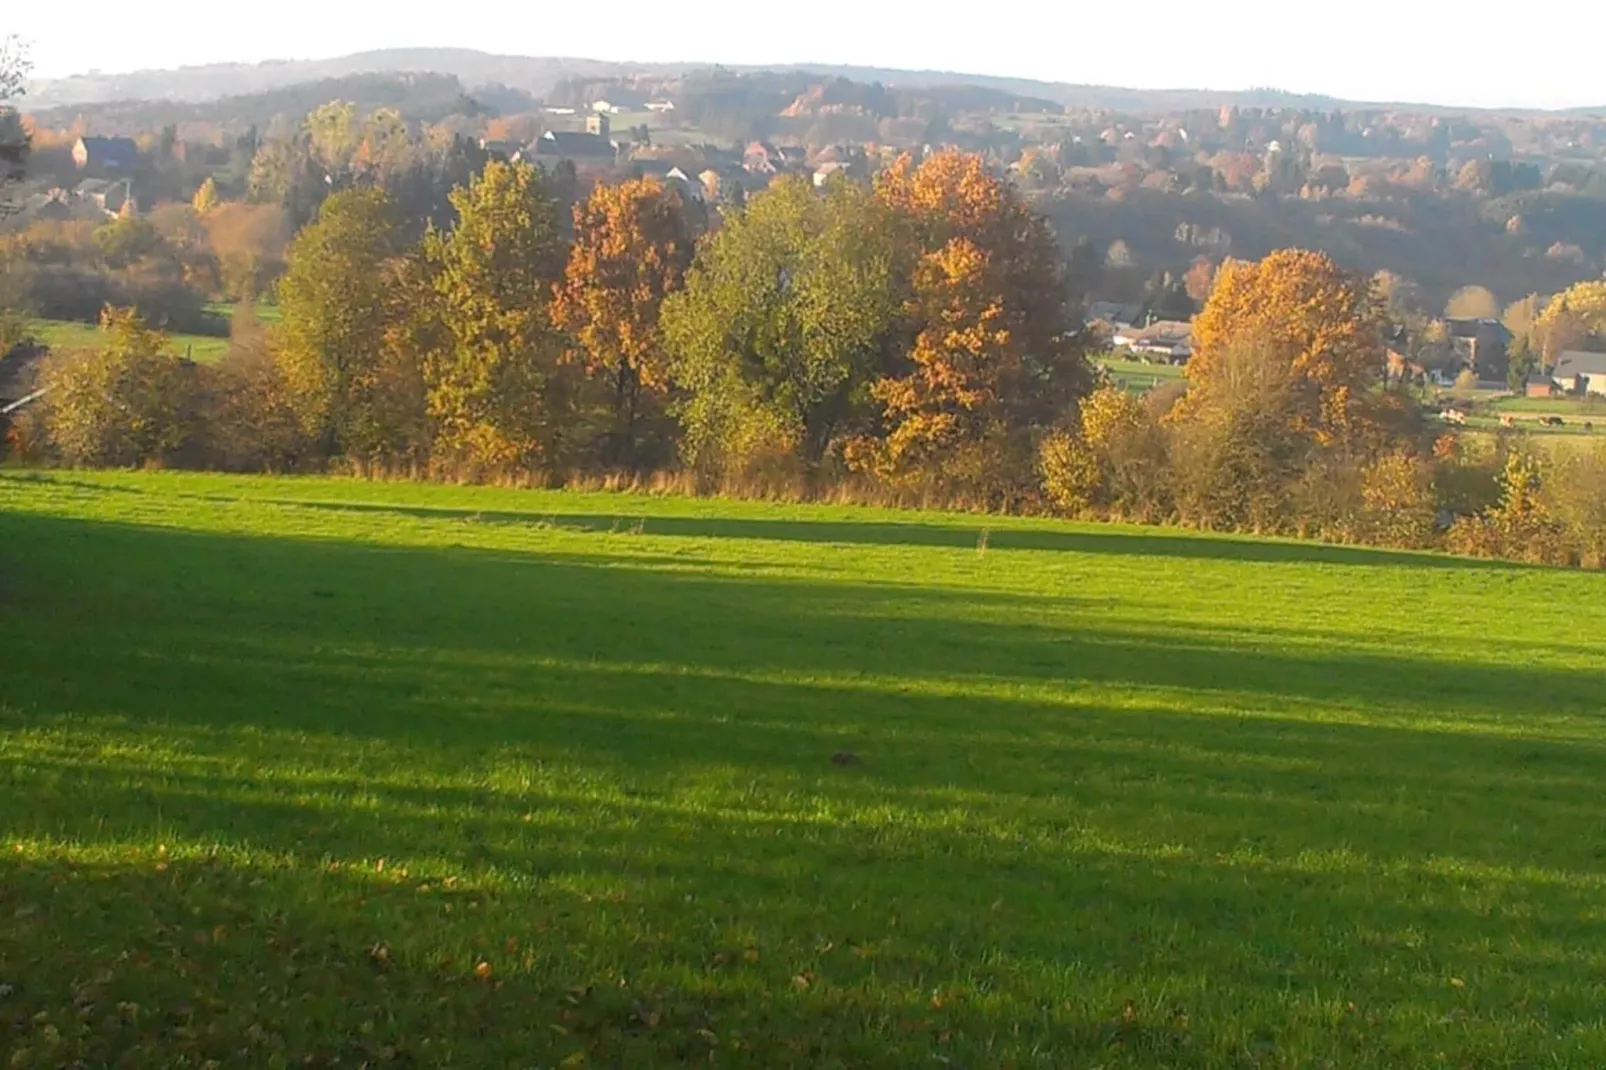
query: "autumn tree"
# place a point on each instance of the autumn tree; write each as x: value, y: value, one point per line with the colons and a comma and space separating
x: 1472, y: 303
x: 256, y: 422
x: 995, y: 357
x: 632, y: 247
x: 785, y: 317
x: 1300, y: 311
x: 1572, y: 318
x: 127, y: 402
x: 206, y: 198
x: 333, y: 133
x: 492, y: 374
x: 336, y: 303
x: 1200, y: 278
x: 249, y: 242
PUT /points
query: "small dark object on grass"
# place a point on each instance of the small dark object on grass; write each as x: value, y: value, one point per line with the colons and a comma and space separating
x: 846, y: 757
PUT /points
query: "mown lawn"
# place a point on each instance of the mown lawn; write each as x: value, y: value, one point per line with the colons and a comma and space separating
x: 324, y: 773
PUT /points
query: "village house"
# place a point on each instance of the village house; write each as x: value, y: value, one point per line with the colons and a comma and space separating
x: 1167, y: 340
x: 105, y: 154
x: 511, y: 151
x: 671, y: 175
x: 616, y: 103
x: 1119, y: 316
x: 106, y: 195
x: 52, y: 204
x: 1540, y: 386
x: 762, y: 158
x: 1482, y: 345
x: 1578, y: 372
x: 593, y: 145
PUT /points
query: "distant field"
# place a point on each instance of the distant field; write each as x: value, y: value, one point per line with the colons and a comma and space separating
x: 1573, y: 429
x: 326, y: 773
x: 1557, y: 406
x: 65, y: 334
x: 1136, y: 375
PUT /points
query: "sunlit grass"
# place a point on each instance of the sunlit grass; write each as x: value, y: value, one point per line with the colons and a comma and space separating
x: 68, y: 334
x: 323, y: 772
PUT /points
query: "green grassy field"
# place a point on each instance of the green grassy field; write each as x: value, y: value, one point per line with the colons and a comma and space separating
x: 1137, y: 375
x: 1565, y: 406
x: 326, y: 773
x: 67, y: 334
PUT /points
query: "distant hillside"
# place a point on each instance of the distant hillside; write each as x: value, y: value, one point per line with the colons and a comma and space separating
x: 424, y: 97
x: 540, y: 75
x: 214, y: 81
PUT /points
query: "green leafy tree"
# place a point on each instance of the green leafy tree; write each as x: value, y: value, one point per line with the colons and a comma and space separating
x: 127, y: 239
x: 336, y: 299
x: 496, y: 394
x: 782, y: 324
x: 14, y: 140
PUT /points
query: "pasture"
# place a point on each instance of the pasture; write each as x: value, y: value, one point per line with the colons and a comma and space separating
x: 314, y: 772
x: 68, y: 334
x: 1140, y: 376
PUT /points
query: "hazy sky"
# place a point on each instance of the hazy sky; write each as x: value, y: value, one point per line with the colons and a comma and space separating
x: 1471, y: 52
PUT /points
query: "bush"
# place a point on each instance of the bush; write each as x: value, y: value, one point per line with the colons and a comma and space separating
x: 1068, y: 472
x: 1520, y: 527
x: 1575, y: 494
x: 1398, y: 502
x: 128, y: 403
x: 253, y: 419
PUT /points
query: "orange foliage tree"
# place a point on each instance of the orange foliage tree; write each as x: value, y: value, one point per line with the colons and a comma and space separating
x: 632, y: 247
x: 1299, y: 311
x: 995, y: 357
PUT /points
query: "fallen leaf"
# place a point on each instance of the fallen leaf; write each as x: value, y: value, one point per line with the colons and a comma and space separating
x: 483, y: 970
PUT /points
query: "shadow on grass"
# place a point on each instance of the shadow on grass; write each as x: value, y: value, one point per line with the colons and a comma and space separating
x: 1119, y: 541
x: 191, y: 960
x: 1124, y: 542
x: 627, y: 771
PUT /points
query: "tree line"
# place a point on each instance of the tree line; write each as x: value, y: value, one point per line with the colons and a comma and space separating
x: 915, y: 339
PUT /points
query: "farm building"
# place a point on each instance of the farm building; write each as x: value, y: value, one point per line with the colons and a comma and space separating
x: 1540, y: 386
x: 1581, y: 373
x: 618, y: 103
x: 105, y: 153
x: 1168, y: 340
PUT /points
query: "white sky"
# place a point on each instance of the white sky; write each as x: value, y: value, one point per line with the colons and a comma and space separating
x: 1550, y: 53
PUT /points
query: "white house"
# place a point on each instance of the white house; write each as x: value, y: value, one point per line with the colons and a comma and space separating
x: 621, y: 102
x: 1167, y: 340
x: 1581, y: 373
